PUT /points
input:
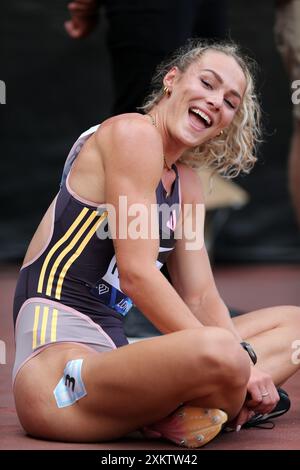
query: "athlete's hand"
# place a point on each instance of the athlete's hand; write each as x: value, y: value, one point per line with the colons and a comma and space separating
x: 84, y: 18
x: 244, y: 415
x: 262, y: 393
x: 262, y: 396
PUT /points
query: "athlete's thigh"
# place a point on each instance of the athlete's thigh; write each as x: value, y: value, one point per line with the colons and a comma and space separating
x: 153, y: 375
x: 260, y: 321
x: 125, y: 388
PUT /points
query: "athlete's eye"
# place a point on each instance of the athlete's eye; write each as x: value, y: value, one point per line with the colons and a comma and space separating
x: 230, y: 104
x: 206, y: 84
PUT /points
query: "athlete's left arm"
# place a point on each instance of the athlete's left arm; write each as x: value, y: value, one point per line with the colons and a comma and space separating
x: 189, y: 265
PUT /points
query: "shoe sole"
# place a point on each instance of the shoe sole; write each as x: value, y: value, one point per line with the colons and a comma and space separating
x: 189, y: 426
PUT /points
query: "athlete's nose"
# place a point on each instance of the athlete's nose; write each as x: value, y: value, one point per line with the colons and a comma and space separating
x: 215, y: 100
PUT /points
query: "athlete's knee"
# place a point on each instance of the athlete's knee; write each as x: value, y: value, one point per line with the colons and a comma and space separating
x: 294, y: 320
x: 290, y: 316
x: 221, y: 353
x: 229, y: 359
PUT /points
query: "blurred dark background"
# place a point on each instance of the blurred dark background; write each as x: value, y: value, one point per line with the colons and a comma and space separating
x: 58, y: 87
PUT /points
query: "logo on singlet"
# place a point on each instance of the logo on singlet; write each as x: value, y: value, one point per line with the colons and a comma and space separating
x: 70, y: 380
x: 124, y: 305
x: 102, y: 289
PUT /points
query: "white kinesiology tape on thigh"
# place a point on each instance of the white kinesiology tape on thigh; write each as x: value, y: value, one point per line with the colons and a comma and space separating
x: 70, y: 388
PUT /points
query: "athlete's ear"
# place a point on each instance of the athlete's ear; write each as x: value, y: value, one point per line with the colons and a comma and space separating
x: 171, y: 76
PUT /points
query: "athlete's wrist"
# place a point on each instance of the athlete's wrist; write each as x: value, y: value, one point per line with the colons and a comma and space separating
x: 249, y: 349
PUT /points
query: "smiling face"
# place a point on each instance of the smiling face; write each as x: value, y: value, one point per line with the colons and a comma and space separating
x: 205, y: 98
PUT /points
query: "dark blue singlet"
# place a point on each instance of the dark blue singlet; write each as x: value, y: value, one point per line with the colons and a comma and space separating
x: 77, y: 268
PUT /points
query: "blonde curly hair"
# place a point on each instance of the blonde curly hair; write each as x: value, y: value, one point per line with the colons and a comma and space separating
x: 234, y: 150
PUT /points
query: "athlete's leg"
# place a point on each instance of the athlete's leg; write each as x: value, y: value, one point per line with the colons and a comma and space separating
x: 133, y: 386
x: 274, y: 333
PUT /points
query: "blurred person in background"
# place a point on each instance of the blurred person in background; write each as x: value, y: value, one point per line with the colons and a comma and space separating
x: 145, y: 32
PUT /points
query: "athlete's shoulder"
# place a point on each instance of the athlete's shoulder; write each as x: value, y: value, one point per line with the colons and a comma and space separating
x: 126, y: 126
x: 131, y: 140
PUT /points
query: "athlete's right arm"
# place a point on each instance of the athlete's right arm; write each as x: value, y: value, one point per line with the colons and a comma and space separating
x: 132, y: 155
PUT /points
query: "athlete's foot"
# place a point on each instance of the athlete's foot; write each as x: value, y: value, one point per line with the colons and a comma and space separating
x: 189, y: 426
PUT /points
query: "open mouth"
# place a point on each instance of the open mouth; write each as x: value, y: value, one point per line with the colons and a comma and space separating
x: 199, y: 118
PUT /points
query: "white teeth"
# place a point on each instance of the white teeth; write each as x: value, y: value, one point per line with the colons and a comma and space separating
x: 202, y: 114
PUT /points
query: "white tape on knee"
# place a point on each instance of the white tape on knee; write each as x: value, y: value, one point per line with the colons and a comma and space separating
x: 70, y: 388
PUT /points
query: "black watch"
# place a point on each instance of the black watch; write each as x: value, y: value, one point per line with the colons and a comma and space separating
x: 250, y: 351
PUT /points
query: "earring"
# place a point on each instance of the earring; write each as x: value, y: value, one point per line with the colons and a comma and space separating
x: 167, y: 91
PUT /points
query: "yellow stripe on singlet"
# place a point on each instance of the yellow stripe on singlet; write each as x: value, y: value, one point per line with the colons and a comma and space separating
x: 44, y: 325
x: 35, y: 326
x: 57, y: 245
x: 77, y: 253
x: 67, y: 249
x: 54, y: 325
